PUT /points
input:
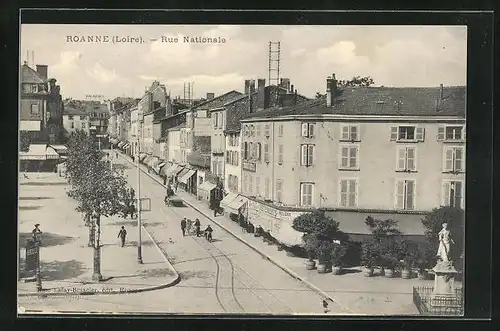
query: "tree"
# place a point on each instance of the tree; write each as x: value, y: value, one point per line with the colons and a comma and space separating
x: 386, y: 246
x: 433, y: 221
x: 356, y: 81
x: 24, y: 141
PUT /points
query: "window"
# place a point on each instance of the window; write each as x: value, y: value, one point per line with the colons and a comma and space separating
x: 221, y: 120
x: 451, y: 133
x: 453, y: 194
x: 267, y: 132
x: 308, y: 130
x: 453, y: 159
x: 257, y: 130
x: 216, y: 120
x: 84, y: 125
x: 258, y: 151
x: 236, y: 158
x: 280, y: 154
x: 407, y: 133
x: 200, y: 179
x: 306, y: 194
x: 83, y: 118
x: 34, y: 88
x: 228, y: 157
x: 349, y: 157
x: 252, y: 131
x: 306, y: 155
x: 266, y: 153
x: 405, y: 194
x: 350, y: 132
x: 280, y: 130
x: 406, y: 159
x: 35, y: 110
x: 257, y: 185
x: 245, y: 150
x: 245, y: 182
x: 72, y: 125
x: 266, y: 188
x: 250, y: 151
x: 250, y: 184
x: 348, y: 193
x: 279, y: 190
x: 214, y: 167
x: 70, y: 117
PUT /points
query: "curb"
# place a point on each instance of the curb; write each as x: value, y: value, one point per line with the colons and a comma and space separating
x: 264, y: 255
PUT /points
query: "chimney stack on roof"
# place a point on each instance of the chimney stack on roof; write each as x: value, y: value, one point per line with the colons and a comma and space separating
x: 331, y: 90
x: 42, y: 70
x: 261, y: 94
x: 440, y: 92
x: 210, y: 96
x: 249, y: 86
x: 285, y: 83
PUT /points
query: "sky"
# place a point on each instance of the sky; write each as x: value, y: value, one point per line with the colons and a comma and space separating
x: 392, y: 55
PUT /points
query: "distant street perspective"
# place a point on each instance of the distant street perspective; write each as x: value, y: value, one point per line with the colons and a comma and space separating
x: 249, y: 197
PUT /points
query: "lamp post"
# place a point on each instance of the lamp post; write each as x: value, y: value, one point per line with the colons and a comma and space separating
x: 139, y: 221
x: 111, y: 158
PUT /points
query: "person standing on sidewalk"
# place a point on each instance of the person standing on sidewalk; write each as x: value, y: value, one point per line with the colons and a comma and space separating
x: 37, y: 233
x: 325, y: 306
x: 183, y: 227
x: 122, y: 235
x: 197, y: 226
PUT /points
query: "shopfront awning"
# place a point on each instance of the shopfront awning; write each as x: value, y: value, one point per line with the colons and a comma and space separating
x: 287, y: 235
x: 163, y: 170
x: 153, y: 162
x: 184, y: 179
x: 147, y: 159
x: 120, y: 144
x: 60, y: 149
x: 173, y: 170
x: 161, y: 164
x: 182, y: 172
x: 206, y: 186
x: 234, y: 205
x: 227, y: 199
x: 126, y: 146
x: 39, y: 152
x: 142, y: 156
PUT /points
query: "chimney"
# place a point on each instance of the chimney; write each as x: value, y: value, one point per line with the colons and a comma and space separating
x: 440, y: 92
x: 291, y: 89
x: 329, y: 91
x: 249, y: 85
x: 210, y: 96
x: 261, y: 94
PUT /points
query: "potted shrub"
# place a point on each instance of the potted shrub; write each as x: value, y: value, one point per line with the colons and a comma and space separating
x: 389, y: 262
x: 369, y: 257
x: 337, y: 258
x: 258, y: 231
x: 324, y: 250
x: 407, y: 266
x: 422, y: 262
x: 310, y: 242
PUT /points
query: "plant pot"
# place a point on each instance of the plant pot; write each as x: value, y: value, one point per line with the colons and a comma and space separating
x: 336, y: 270
x: 322, y: 268
x: 310, y: 264
x: 389, y: 273
x: 405, y: 274
x: 368, y: 271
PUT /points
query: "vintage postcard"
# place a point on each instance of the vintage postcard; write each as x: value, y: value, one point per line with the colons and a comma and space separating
x: 242, y: 169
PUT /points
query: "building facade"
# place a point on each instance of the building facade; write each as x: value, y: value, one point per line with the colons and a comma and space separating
x: 75, y: 119
x: 386, y: 150
x: 41, y: 106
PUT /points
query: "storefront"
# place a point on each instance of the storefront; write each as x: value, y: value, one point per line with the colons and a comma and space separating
x: 142, y: 156
x: 160, y: 166
x: 153, y: 163
x: 39, y: 158
x: 205, y: 191
x: 187, y: 180
x: 278, y: 222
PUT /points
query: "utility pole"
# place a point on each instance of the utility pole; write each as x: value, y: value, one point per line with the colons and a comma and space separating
x: 139, y: 221
x: 111, y: 158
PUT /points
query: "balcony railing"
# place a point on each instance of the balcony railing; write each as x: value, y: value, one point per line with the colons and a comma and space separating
x: 198, y: 160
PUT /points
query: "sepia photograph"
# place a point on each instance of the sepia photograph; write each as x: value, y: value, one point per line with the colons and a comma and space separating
x: 242, y: 169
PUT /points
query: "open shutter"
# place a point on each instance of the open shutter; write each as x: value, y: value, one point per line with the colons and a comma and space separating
x: 394, y: 133
x: 259, y: 151
x: 343, y: 193
x: 310, y: 155
x: 445, y: 194
x: 458, y: 160
x: 266, y: 152
x: 353, y: 157
x: 266, y: 130
x: 440, y: 135
x: 401, y: 159
x: 411, y: 159
x: 311, y: 130
x: 303, y: 155
x: 420, y: 134
x: 351, y: 200
x: 344, y: 157
x: 345, y: 132
x: 464, y: 132
x: 400, y: 194
x: 257, y: 130
x: 448, y: 160
x: 354, y: 133
x: 304, y: 129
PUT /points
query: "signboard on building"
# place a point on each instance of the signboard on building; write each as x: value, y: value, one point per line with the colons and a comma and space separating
x: 32, y: 254
x: 268, y: 217
x: 29, y: 125
x: 249, y: 166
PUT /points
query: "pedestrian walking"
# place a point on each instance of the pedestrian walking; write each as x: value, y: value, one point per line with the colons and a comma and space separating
x: 183, y: 227
x: 37, y: 233
x: 325, y: 306
x: 122, y: 235
x: 197, y: 226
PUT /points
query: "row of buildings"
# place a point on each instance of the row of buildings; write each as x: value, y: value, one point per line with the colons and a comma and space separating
x: 355, y: 151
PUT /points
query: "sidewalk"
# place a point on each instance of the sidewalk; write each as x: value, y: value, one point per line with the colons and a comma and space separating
x: 67, y: 261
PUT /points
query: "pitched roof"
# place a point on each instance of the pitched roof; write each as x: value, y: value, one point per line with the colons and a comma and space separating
x: 30, y: 76
x: 74, y: 111
x: 218, y: 101
x: 405, y: 101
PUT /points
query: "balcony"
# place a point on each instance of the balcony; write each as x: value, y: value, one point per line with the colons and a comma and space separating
x: 199, y: 160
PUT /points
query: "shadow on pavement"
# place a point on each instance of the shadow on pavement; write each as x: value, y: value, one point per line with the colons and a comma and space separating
x: 48, y: 239
x: 349, y: 271
x: 144, y: 243
x: 29, y: 207
x: 133, y: 223
x: 35, y: 198
x: 121, y: 166
x: 196, y: 274
x: 158, y: 272
x: 59, y: 270
x: 44, y: 184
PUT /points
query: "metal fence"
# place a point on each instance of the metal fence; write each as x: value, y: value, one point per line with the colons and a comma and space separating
x: 429, y: 303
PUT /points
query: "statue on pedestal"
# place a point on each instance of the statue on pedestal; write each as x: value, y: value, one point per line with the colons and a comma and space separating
x: 445, y: 242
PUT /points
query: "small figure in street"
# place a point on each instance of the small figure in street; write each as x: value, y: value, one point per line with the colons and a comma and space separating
x: 37, y: 234
x: 325, y: 306
x: 197, y: 227
x: 189, y: 226
x: 208, y: 233
x: 183, y: 227
x: 122, y: 235
x: 164, y: 180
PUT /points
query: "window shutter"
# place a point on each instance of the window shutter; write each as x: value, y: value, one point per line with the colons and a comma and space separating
x: 440, y: 135
x: 352, y: 193
x: 401, y: 159
x: 394, y: 133
x: 303, y: 155
x: 311, y: 130
x: 353, y: 157
x: 410, y: 195
x: 354, y: 133
x: 459, y: 159
x: 304, y: 129
x: 245, y: 150
x: 345, y: 157
x: 259, y: 151
x: 419, y: 134
x: 310, y: 155
x: 411, y: 158
x: 345, y: 132
x: 258, y: 130
x: 237, y: 157
x: 400, y: 194
x: 266, y: 152
x: 464, y: 132
x: 448, y: 160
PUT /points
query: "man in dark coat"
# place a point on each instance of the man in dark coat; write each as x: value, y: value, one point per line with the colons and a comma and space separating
x: 122, y: 235
x: 183, y: 227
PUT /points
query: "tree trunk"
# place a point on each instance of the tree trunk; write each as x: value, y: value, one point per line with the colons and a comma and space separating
x: 97, y: 251
x: 91, y: 227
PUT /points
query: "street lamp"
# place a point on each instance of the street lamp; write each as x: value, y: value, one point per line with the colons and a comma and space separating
x: 139, y: 242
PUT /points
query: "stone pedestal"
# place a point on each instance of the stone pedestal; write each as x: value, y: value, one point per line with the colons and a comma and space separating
x: 444, y: 284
